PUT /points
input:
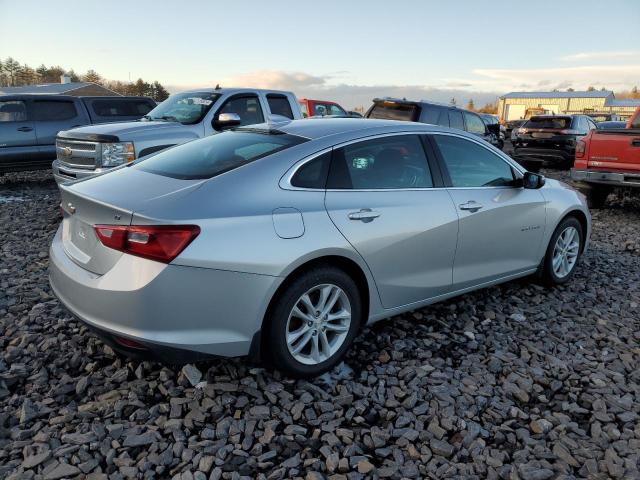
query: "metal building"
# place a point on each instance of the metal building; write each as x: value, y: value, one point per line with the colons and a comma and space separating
x: 517, y: 105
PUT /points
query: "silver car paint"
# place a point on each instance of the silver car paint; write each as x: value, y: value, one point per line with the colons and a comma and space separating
x: 222, y: 283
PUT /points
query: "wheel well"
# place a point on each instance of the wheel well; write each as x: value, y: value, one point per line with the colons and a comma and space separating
x: 582, y: 218
x: 348, y: 266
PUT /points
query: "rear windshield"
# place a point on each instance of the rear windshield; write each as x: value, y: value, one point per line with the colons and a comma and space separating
x: 548, y: 122
x: 217, y: 154
x: 394, y: 111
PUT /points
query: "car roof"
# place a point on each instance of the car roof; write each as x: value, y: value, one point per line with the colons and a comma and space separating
x: 318, y: 127
x: 234, y: 90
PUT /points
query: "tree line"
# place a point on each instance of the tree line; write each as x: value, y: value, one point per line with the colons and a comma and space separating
x: 14, y: 74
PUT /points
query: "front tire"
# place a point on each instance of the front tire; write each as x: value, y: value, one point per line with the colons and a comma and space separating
x: 314, y: 321
x: 563, y: 252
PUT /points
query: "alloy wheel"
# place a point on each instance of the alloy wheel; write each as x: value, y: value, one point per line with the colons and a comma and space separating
x: 565, y: 252
x: 318, y: 324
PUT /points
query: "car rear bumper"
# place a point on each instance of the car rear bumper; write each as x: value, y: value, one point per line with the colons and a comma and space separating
x: 547, y: 156
x: 616, y: 179
x: 164, y: 307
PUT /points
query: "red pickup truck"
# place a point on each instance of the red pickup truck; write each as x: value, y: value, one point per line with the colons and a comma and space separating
x: 608, y: 158
x: 323, y: 108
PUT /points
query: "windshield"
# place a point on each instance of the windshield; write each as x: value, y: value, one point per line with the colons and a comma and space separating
x: 394, y: 111
x: 548, y: 122
x: 184, y: 107
x: 214, y: 155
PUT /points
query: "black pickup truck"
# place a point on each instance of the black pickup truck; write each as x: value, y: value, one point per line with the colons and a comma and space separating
x: 29, y: 123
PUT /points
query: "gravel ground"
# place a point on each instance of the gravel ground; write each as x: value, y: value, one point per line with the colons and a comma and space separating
x: 512, y: 382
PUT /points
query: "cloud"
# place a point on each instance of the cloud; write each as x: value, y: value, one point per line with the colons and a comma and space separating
x: 275, y: 79
x: 613, y: 77
x: 599, y: 55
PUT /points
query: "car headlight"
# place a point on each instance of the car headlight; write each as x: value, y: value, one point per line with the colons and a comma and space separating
x: 114, y: 154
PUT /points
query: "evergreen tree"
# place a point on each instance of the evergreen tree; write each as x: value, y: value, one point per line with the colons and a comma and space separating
x: 470, y: 105
x: 93, y: 77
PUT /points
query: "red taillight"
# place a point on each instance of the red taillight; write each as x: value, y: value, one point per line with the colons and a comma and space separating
x: 580, y: 148
x: 155, y: 242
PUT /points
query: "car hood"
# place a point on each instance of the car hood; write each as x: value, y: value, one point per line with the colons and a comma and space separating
x: 121, y: 131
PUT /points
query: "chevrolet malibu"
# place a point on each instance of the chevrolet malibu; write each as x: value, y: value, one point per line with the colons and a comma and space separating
x: 282, y: 241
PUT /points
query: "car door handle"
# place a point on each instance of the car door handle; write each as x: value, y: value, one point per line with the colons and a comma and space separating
x: 365, y: 214
x: 25, y: 129
x: 471, y: 205
x: 635, y: 142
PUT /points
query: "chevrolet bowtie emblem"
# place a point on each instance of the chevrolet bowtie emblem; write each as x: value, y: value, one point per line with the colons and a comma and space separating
x: 66, y: 152
x: 72, y: 209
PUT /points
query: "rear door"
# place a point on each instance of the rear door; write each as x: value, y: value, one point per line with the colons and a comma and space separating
x: 53, y: 116
x: 17, y: 132
x: 383, y: 196
x: 501, y: 224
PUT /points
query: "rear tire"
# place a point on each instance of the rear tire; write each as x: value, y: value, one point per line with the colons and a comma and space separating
x: 314, y: 322
x: 563, y: 252
x: 597, y: 196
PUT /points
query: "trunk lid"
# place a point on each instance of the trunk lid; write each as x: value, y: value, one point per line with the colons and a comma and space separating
x: 110, y: 199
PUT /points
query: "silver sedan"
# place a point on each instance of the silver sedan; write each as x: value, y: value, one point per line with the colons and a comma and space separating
x: 282, y: 242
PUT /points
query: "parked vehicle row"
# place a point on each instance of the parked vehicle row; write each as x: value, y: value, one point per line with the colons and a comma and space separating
x: 29, y: 123
x: 356, y: 220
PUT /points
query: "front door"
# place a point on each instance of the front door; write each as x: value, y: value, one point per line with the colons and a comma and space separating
x: 501, y: 223
x: 381, y: 196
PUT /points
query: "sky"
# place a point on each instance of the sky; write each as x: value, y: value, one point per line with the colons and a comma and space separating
x: 345, y: 50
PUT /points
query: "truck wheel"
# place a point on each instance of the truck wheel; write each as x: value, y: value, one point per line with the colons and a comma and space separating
x: 314, y: 322
x: 563, y: 252
x: 597, y: 196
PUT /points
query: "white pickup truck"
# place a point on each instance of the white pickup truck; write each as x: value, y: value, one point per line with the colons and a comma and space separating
x: 95, y: 149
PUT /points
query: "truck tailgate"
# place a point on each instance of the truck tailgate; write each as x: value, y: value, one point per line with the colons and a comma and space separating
x: 617, y: 149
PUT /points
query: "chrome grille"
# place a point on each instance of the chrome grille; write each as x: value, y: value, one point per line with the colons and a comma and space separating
x: 78, y: 154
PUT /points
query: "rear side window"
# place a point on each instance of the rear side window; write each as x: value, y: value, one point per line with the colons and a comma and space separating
x: 120, y: 108
x: 13, y: 111
x: 394, y: 111
x: 313, y: 174
x: 217, y: 154
x: 383, y: 163
x: 471, y: 165
x: 435, y: 116
x: 279, y: 105
x: 46, y: 111
x: 455, y: 119
x: 474, y: 124
x: 548, y: 122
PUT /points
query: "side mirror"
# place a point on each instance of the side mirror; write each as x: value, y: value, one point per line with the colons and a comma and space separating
x: 223, y: 121
x: 533, y: 180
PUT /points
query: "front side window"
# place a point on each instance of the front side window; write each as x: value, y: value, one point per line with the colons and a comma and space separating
x: 474, y: 124
x: 13, y: 111
x: 186, y: 108
x: 455, y: 119
x: 217, y: 154
x: 472, y: 165
x: 47, y: 111
x: 248, y: 109
x: 382, y: 163
x: 336, y: 110
x: 279, y: 105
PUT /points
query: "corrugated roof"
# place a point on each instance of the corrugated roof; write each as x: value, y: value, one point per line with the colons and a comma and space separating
x: 584, y: 94
x: 623, y: 102
x: 45, y: 88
